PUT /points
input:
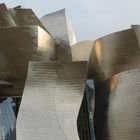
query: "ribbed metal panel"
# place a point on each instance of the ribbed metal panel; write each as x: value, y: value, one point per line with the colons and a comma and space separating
x: 51, y: 100
x: 117, y: 111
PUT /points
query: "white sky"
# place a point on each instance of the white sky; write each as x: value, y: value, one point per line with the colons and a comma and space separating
x: 91, y: 19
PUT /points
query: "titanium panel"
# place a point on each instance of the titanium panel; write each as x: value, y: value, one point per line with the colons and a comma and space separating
x: 6, y: 19
x: 81, y: 51
x: 59, y: 27
x: 137, y: 32
x: 23, y: 16
x: 113, y: 54
x: 51, y: 101
x: 117, y: 111
x: 19, y: 45
x: 71, y: 34
x: 7, y: 120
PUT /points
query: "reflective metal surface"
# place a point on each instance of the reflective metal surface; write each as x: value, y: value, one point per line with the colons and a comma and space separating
x: 59, y: 26
x: 117, y: 111
x: 81, y: 51
x: 53, y: 94
x: 51, y: 100
x: 22, y: 38
x: 24, y: 43
x: 114, y: 53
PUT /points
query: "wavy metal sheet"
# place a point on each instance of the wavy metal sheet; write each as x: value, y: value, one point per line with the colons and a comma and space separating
x: 114, y: 53
x: 51, y: 100
x: 117, y: 108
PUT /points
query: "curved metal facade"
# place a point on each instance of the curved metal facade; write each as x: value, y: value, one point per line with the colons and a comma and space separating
x: 117, y: 107
x: 81, y: 51
x: 51, y: 101
x: 24, y: 44
x: 113, y: 54
x: 59, y: 27
x: 56, y: 105
x: 19, y: 44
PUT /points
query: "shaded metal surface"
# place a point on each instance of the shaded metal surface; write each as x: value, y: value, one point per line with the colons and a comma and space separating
x: 19, y: 45
x: 117, y: 111
x: 18, y: 16
x: 5, y: 17
x: 59, y: 27
x: 81, y: 51
x: 7, y: 120
x: 51, y: 100
x: 24, y: 16
x: 114, y: 53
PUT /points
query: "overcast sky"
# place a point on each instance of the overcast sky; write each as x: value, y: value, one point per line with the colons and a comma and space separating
x: 91, y: 19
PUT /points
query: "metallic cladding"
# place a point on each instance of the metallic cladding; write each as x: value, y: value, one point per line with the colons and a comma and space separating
x: 25, y: 43
x: 81, y: 51
x: 23, y: 16
x: 56, y: 90
x: 59, y: 27
x: 113, y: 54
x: 117, y: 107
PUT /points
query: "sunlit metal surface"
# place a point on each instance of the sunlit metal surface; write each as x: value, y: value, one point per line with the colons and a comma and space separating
x: 117, y: 112
x: 81, y: 51
x: 7, y: 120
x: 59, y: 26
x: 113, y: 54
x: 51, y: 100
x: 54, y: 90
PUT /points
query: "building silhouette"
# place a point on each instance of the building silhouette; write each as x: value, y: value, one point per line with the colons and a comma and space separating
x: 56, y: 89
